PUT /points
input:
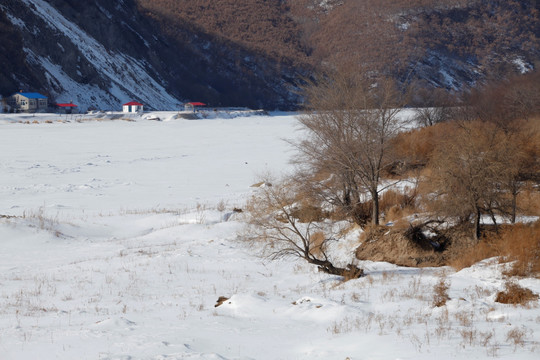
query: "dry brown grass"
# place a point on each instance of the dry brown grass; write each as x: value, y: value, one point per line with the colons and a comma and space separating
x: 396, y: 205
x: 521, y: 244
x: 515, y: 294
x: 470, y: 255
x: 440, y: 292
x: 529, y: 200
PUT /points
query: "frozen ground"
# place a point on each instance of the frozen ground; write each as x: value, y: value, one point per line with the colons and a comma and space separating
x: 118, y: 237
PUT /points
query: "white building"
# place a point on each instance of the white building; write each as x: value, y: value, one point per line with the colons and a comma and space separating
x: 133, y: 107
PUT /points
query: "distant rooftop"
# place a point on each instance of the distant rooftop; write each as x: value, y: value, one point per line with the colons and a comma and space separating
x: 32, y: 95
x: 133, y: 103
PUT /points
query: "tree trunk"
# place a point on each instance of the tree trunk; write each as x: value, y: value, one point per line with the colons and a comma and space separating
x: 514, y: 206
x: 375, y: 209
x: 349, y: 272
x: 477, y: 225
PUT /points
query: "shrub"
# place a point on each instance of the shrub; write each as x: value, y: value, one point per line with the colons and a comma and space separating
x: 515, y: 294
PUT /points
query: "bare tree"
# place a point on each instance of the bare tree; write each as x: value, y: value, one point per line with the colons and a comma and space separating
x: 469, y: 171
x: 277, y: 222
x: 349, y: 125
x: 436, y: 107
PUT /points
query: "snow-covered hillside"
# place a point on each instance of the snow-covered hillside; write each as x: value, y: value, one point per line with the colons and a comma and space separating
x: 127, y: 77
x: 118, y: 237
x: 101, y: 54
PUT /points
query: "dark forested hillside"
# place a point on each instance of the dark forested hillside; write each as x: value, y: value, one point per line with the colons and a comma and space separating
x: 254, y: 52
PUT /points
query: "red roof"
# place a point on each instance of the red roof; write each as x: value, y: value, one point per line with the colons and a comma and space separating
x: 197, y: 103
x: 133, y: 103
x: 66, y: 105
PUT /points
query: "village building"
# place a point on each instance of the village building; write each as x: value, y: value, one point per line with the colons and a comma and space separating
x: 28, y: 102
x: 66, y: 108
x: 190, y: 106
x: 133, y: 107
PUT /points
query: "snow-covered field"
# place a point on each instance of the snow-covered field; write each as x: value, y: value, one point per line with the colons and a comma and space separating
x: 118, y: 237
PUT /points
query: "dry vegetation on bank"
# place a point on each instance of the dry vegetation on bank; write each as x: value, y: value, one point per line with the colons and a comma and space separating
x: 453, y: 193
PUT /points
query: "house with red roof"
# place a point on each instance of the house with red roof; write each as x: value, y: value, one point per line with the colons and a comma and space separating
x: 133, y: 107
x: 190, y: 106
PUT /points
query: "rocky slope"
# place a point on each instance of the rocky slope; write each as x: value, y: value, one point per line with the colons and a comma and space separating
x: 100, y: 53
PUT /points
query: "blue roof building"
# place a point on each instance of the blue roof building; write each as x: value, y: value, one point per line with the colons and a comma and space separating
x: 28, y: 102
x: 33, y: 95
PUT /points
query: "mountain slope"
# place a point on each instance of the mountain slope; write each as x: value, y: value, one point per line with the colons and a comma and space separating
x: 253, y: 53
x: 100, y: 53
x: 450, y: 44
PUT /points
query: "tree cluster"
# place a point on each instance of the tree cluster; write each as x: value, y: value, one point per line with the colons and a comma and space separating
x: 355, y: 147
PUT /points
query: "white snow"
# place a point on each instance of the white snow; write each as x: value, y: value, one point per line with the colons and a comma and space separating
x: 522, y: 65
x: 118, y: 237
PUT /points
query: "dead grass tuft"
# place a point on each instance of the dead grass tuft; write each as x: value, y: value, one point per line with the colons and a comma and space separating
x: 515, y: 294
x: 440, y: 292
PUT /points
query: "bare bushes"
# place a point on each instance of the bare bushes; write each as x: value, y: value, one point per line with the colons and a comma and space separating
x: 278, y: 225
x: 467, y: 171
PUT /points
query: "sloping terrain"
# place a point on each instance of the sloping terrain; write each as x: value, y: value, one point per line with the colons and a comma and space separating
x: 448, y: 44
x: 253, y: 53
x: 101, y: 54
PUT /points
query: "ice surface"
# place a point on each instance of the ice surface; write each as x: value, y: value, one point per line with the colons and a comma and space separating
x: 118, y: 237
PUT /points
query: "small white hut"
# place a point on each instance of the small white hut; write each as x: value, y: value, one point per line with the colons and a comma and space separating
x: 132, y: 107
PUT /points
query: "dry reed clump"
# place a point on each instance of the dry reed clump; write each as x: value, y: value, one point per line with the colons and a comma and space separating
x: 440, y: 293
x: 469, y: 254
x: 515, y: 294
x: 396, y: 205
x: 519, y: 243
x: 522, y: 245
